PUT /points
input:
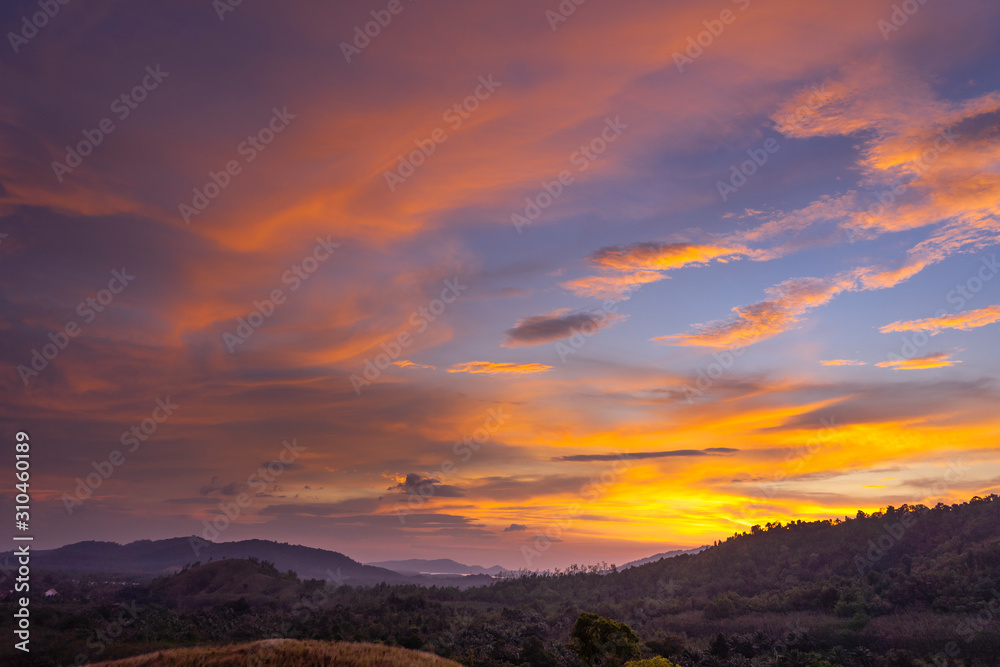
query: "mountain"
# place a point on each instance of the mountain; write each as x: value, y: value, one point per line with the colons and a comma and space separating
x: 153, y: 557
x: 665, y: 554
x: 437, y: 566
x: 254, y: 581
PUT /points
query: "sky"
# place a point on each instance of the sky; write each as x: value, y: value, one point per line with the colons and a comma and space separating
x: 519, y: 283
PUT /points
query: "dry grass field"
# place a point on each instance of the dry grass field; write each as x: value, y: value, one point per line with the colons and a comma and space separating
x: 284, y: 653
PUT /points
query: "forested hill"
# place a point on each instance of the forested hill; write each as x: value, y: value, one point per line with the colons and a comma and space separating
x: 908, y: 542
x: 912, y: 579
x: 949, y: 543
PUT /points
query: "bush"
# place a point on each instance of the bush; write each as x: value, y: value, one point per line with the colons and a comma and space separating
x: 650, y: 662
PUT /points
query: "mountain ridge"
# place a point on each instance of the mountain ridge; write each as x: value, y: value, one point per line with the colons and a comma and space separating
x: 435, y: 566
x: 660, y: 556
x: 156, y: 557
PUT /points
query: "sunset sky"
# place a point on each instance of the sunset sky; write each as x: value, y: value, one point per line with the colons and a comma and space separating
x: 535, y: 288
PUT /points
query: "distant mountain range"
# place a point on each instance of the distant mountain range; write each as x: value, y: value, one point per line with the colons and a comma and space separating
x: 437, y: 566
x: 665, y: 554
x: 155, y: 557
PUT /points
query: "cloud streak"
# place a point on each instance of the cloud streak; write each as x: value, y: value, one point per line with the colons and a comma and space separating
x: 557, y: 325
x: 641, y: 456
x: 629, y: 267
x: 498, y: 368
x: 925, y: 362
x: 965, y: 321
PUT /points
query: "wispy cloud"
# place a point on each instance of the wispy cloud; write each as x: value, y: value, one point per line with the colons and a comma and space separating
x: 766, y: 318
x: 626, y: 268
x: 637, y: 456
x: 962, y: 321
x: 557, y: 325
x: 406, y: 363
x: 498, y: 368
x: 936, y: 360
x: 925, y: 162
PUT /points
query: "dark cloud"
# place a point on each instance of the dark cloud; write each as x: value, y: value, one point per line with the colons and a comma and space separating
x: 231, y: 489
x: 557, y: 325
x: 516, y: 488
x: 515, y: 527
x: 711, y: 451
x: 426, y: 487
x: 281, y: 465
x: 384, y: 521
x: 898, y: 401
x: 191, y: 501
x: 351, y: 506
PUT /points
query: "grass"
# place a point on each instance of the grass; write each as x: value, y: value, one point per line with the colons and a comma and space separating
x: 284, y: 653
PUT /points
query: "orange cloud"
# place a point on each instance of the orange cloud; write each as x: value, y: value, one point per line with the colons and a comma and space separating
x: 843, y: 362
x: 658, y: 256
x: 612, y: 286
x: 495, y: 368
x: 962, y: 321
x: 936, y: 360
x: 642, y: 263
x: 793, y: 298
x: 766, y: 318
x: 406, y: 363
x: 925, y: 161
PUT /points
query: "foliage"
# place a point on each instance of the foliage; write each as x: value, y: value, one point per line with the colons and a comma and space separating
x: 603, y: 641
x: 658, y: 661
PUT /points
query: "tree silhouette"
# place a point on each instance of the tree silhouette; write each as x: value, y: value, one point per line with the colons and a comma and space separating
x: 603, y: 641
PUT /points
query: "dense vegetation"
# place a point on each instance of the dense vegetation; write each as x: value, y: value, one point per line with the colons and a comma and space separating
x: 907, y: 586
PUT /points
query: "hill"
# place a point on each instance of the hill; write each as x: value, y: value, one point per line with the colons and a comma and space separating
x: 220, y: 581
x: 284, y: 653
x: 911, y: 581
x: 437, y: 566
x: 154, y: 557
x: 661, y: 556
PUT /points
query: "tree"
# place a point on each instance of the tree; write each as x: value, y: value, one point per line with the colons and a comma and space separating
x: 603, y: 641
